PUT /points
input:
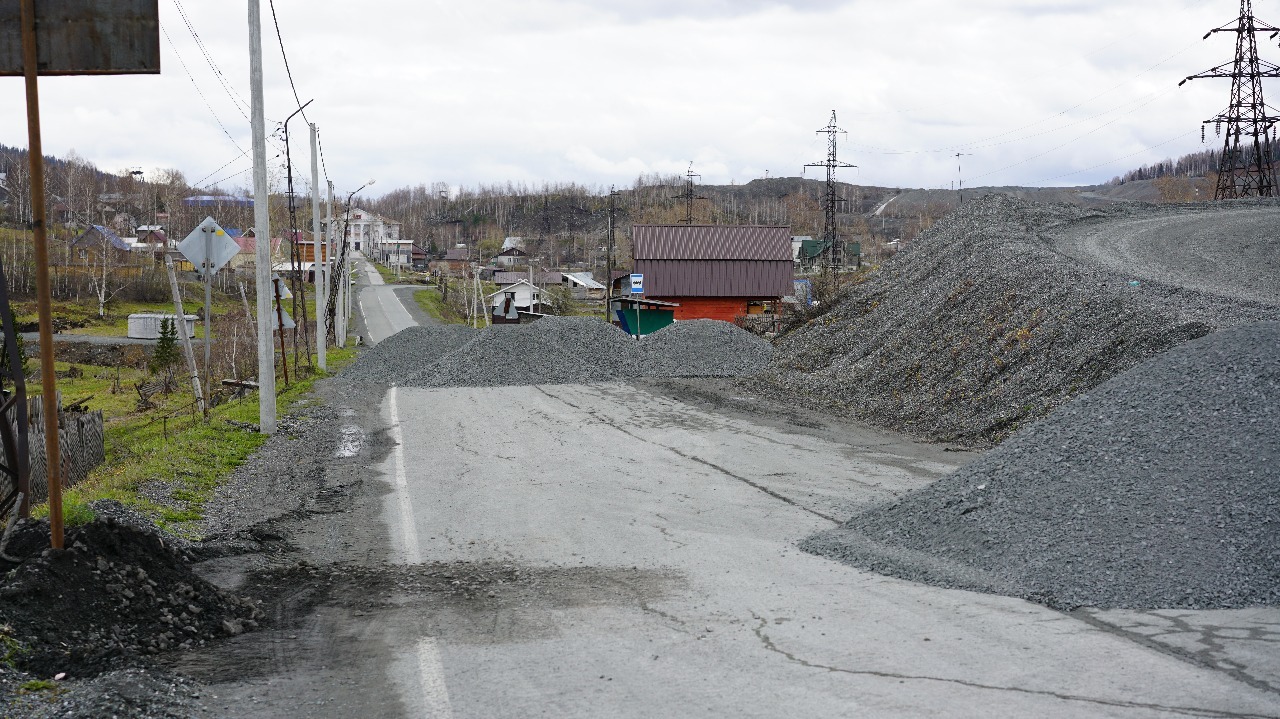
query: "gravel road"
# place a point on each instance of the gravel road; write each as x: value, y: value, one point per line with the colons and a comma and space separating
x: 1233, y: 253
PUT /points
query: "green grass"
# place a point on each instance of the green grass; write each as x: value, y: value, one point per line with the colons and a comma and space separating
x: 37, y: 685
x: 171, y: 444
x: 433, y: 304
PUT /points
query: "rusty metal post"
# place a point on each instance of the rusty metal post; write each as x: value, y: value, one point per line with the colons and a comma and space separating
x: 284, y: 358
x: 48, y: 377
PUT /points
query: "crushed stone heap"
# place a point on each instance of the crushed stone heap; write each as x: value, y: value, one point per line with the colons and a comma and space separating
x: 1158, y: 489
x: 577, y: 350
x: 984, y: 326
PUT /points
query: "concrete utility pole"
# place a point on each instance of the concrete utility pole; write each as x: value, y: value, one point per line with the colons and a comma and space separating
x: 319, y: 256
x: 262, y: 229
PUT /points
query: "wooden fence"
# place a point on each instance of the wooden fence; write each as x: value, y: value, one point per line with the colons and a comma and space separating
x: 82, y: 444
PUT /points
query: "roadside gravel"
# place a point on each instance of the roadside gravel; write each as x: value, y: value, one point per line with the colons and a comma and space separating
x: 1158, y: 489
x: 578, y: 350
x: 984, y: 325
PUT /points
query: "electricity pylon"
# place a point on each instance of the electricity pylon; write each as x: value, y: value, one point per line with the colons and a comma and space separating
x: 1246, y: 167
x: 833, y: 249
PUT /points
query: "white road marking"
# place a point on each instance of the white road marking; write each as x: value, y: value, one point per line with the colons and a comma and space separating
x: 435, y: 694
x: 408, y: 529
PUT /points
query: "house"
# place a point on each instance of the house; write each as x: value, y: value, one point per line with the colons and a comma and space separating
x: 807, y: 252
x: 582, y: 285
x: 366, y: 231
x: 456, y: 260
x: 714, y: 271
x: 89, y: 245
x: 395, y: 252
x: 248, y: 254
x: 507, y: 303
x: 511, y: 257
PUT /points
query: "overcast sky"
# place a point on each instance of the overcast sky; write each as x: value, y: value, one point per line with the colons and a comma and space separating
x: 1036, y: 92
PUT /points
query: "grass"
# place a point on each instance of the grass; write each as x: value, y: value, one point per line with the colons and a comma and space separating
x: 37, y: 685
x: 170, y: 444
x: 433, y: 304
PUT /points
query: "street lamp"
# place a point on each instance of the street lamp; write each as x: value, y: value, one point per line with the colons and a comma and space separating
x: 340, y: 293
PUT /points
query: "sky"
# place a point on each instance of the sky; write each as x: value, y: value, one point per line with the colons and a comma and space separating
x: 467, y: 92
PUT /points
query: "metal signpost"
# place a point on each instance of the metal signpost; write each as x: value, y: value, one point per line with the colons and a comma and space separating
x: 637, y: 288
x: 67, y: 37
x: 210, y: 248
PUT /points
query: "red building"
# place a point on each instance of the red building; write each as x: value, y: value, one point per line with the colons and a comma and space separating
x: 717, y: 272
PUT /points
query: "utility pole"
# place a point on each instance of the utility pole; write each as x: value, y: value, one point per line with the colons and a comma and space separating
x: 833, y: 249
x: 262, y: 229
x: 608, y: 271
x: 689, y: 195
x: 1246, y: 170
x: 319, y: 256
x: 960, y: 175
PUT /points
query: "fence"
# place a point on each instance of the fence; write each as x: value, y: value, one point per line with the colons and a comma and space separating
x: 82, y: 444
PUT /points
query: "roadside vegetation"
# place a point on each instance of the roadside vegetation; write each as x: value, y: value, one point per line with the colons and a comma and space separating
x: 165, y: 461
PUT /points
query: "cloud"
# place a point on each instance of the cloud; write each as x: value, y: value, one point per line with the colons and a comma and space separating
x: 567, y: 90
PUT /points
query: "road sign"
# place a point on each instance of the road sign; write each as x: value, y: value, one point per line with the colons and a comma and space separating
x: 85, y: 37
x: 221, y: 247
x: 637, y: 284
x: 288, y: 321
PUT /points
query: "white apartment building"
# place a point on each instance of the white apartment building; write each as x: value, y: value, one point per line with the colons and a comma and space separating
x: 370, y: 231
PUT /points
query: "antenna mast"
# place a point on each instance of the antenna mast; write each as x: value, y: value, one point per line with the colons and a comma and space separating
x: 832, y: 248
x: 1246, y: 170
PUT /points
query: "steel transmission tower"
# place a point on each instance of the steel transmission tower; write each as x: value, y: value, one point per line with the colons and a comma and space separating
x: 689, y: 195
x: 833, y: 249
x: 1246, y: 168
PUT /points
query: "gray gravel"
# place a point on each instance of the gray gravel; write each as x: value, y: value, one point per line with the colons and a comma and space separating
x: 577, y: 350
x: 702, y: 348
x: 1158, y: 489
x: 131, y: 693
x: 404, y: 354
x: 985, y: 325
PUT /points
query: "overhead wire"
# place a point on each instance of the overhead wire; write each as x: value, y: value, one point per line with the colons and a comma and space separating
x: 288, y: 71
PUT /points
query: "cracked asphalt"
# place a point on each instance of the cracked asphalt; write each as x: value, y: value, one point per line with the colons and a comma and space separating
x: 630, y: 550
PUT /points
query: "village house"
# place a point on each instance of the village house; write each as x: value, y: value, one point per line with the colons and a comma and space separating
x: 714, y: 271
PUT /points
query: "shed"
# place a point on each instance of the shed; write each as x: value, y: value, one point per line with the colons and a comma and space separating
x: 648, y: 315
x: 146, y: 325
x: 714, y: 271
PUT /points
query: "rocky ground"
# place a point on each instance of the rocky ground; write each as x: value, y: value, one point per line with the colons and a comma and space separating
x: 985, y: 326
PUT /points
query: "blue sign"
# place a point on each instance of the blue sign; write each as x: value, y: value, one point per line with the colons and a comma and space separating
x: 637, y: 284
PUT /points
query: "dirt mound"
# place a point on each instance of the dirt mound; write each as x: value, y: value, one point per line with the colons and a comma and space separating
x: 115, y: 593
x: 1158, y: 489
x: 983, y: 326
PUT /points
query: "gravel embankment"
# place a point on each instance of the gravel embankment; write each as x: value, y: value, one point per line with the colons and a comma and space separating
x: 984, y: 325
x: 402, y: 355
x: 577, y: 350
x: 1158, y: 489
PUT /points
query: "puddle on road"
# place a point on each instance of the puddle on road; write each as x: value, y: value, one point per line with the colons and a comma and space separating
x: 350, y: 440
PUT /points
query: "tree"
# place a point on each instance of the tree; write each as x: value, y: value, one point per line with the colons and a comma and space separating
x: 559, y: 300
x: 166, y: 352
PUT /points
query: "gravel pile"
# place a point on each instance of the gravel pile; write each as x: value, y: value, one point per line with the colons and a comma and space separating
x: 1158, y: 489
x: 114, y: 594
x: 388, y: 362
x: 576, y: 350
x: 984, y: 325
x: 702, y: 348
x: 132, y: 693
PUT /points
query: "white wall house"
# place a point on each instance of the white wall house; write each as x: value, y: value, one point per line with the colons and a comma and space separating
x: 369, y: 231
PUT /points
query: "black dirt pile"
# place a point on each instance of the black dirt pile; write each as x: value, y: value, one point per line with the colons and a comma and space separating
x: 702, y: 348
x: 982, y: 327
x: 1158, y: 489
x: 114, y: 594
x: 578, y: 350
x: 404, y: 354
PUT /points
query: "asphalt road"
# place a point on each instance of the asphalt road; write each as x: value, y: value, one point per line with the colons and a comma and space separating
x: 639, y: 544
x: 665, y: 533
x: 1234, y: 253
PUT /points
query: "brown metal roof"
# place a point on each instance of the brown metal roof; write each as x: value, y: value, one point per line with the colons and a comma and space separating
x: 717, y: 278
x: 711, y: 242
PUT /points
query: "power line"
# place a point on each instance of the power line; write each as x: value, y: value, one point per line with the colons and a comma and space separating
x: 289, y: 73
x: 833, y: 249
x: 200, y: 92
x: 239, y: 102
